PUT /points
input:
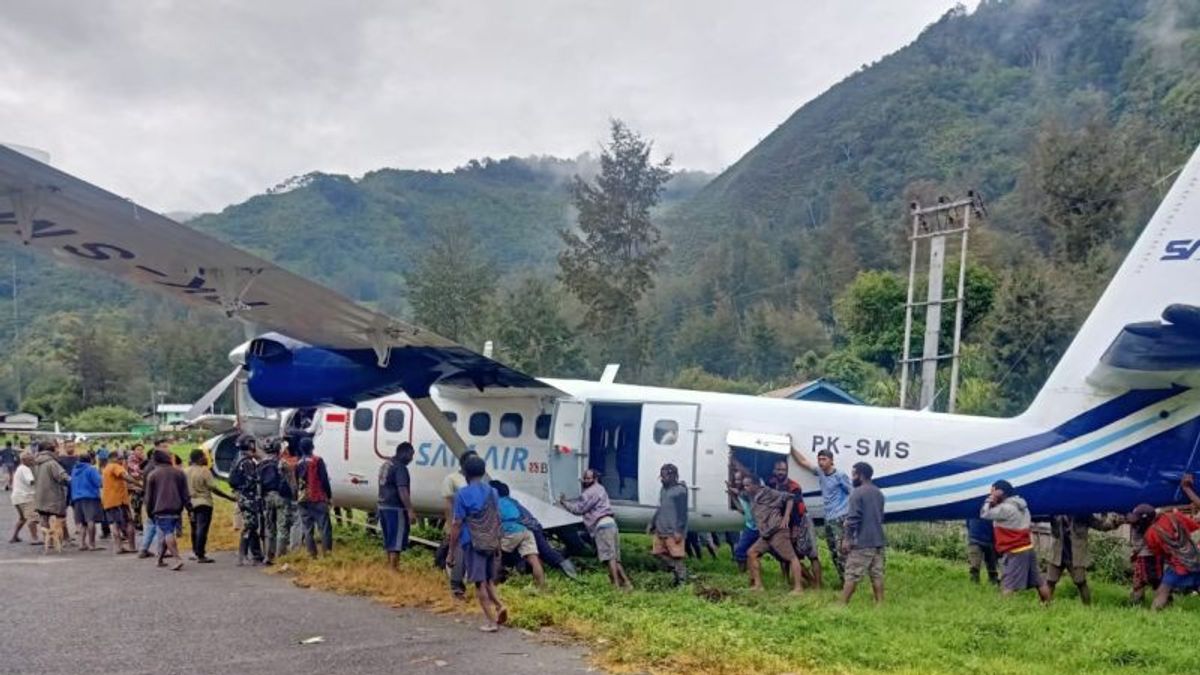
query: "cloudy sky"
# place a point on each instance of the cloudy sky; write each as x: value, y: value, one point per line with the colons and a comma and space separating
x: 196, y: 105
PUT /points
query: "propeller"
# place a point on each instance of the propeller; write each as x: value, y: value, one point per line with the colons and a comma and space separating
x: 205, y: 402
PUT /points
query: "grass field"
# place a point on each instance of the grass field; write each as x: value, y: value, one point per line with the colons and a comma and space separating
x: 934, y: 621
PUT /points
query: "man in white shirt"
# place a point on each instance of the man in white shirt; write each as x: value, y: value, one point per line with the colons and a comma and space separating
x: 22, y: 498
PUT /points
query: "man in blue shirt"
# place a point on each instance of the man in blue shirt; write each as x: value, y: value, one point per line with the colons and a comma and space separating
x: 517, y: 537
x: 835, y: 496
x: 475, y: 534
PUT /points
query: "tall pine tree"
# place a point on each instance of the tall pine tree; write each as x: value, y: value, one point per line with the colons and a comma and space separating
x: 610, y: 261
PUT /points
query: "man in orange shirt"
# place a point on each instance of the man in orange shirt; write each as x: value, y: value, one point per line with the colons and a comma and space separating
x: 1169, y: 535
x: 114, y: 498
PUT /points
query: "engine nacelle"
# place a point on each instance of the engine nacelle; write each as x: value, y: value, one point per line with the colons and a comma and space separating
x: 300, y: 376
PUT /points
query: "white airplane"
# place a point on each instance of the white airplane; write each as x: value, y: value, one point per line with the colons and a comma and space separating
x: 1117, y: 423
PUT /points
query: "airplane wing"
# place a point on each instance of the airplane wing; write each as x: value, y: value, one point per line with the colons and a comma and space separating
x: 85, y: 226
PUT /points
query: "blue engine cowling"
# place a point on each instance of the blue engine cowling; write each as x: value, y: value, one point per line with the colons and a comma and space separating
x: 289, y: 374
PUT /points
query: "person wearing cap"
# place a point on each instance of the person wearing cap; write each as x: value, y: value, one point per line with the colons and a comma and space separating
x: 243, y: 478
x: 1169, y: 535
x: 1147, y: 566
x: 277, y: 503
x: 1011, y: 525
x: 23, y: 493
x: 864, y: 541
x: 669, y: 523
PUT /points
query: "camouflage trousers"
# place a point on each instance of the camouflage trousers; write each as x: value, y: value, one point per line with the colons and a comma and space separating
x: 278, y: 514
x: 250, y: 543
x: 834, y: 531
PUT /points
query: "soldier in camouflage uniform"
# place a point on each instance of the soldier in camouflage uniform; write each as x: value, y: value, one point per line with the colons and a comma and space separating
x: 277, y: 503
x: 244, y: 480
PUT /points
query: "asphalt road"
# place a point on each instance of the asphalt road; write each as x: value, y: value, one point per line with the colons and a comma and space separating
x: 93, y: 612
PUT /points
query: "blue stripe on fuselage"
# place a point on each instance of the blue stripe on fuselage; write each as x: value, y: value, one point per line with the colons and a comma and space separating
x: 1017, y: 472
x: 1085, y: 423
x: 1147, y: 471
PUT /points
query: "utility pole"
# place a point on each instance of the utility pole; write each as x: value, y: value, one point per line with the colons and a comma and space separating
x: 935, y: 224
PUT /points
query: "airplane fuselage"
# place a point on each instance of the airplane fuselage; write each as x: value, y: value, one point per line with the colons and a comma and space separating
x: 1124, y: 450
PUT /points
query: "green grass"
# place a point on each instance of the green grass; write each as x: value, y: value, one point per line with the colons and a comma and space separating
x: 934, y: 621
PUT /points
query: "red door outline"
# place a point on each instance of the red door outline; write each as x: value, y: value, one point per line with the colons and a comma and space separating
x: 408, y: 423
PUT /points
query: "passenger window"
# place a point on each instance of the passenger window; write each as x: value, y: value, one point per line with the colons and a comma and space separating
x: 541, y: 427
x: 511, y: 424
x: 666, y: 432
x: 452, y: 418
x: 393, y: 420
x: 363, y: 417
x: 480, y: 424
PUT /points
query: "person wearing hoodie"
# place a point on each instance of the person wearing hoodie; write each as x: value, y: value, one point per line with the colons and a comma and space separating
x: 50, y: 482
x: 85, y: 501
x: 1011, y: 525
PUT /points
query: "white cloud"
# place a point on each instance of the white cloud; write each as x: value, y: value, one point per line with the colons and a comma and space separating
x: 186, y: 105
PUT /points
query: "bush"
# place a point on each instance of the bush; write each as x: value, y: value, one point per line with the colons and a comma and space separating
x: 103, y: 418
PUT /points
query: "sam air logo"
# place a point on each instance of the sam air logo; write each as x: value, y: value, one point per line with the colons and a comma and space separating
x: 1181, y: 249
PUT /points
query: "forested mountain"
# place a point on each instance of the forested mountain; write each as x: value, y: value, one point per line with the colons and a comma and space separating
x: 1067, y: 115
x: 959, y: 107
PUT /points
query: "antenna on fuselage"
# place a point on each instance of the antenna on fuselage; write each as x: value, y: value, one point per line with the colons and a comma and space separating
x: 610, y: 373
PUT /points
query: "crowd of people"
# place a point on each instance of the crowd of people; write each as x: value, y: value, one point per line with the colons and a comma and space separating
x: 126, y: 491
x: 483, y: 526
x: 1164, y: 555
x: 488, y: 530
x: 283, y: 500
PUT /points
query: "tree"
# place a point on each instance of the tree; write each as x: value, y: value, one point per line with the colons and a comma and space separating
x: 870, y: 317
x: 530, y: 332
x: 610, y: 262
x: 1078, y: 181
x: 449, y: 288
x: 1031, y: 326
x: 707, y: 338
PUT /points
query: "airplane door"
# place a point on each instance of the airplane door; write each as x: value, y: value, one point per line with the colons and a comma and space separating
x: 668, y: 434
x: 393, y: 426
x: 566, y: 448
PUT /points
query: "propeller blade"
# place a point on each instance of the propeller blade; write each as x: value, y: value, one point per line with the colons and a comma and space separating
x: 210, y: 397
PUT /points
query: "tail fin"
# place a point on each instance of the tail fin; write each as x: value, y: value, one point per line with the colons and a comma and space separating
x: 1144, y: 333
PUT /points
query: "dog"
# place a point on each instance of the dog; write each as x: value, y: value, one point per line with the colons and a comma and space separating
x: 52, y: 536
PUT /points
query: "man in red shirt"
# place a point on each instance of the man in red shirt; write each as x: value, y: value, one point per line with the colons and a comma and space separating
x: 1169, y: 535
